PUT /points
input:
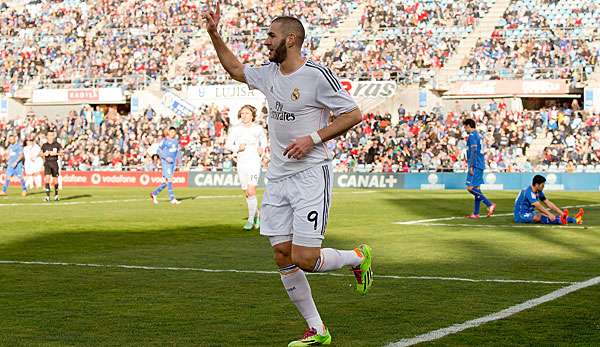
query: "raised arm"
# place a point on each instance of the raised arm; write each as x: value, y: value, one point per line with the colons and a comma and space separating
x: 229, y: 61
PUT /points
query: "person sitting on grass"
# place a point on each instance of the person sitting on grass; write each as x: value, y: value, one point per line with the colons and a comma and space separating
x: 532, y: 198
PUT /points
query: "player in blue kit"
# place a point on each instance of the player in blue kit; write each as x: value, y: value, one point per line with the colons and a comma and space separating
x: 476, y: 164
x: 169, y: 153
x: 14, y: 165
x: 531, y: 198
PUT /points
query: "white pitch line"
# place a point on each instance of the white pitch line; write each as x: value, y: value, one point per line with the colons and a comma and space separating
x: 199, y: 197
x: 453, y: 329
x: 70, y: 203
x: 500, y: 226
x: 420, y: 221
x: 170, y: 268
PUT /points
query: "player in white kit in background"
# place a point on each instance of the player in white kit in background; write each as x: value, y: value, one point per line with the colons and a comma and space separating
x: 295, y: 207
x: 34, y: 164
x: 248, y: 141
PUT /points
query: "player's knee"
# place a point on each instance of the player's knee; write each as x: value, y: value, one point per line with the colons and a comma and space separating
x: 282, y: 255
x: 305, y: 261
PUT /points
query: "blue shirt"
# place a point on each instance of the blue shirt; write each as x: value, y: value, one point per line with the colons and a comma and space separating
x: 14, y: 154
x: 526, y: 199
x: 475, y: 155
x: 168, y: 149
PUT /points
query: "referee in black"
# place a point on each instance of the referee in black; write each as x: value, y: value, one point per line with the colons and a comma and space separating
x: 51, y: 151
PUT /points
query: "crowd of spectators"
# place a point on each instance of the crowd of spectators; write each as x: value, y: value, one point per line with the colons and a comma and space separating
x: 130, y: 43
x: 113, y: 42
x: 407, y: 41
x: 103, y: 139
x: 245, y: 28
x: 435, y: 141
x: 537, y: 39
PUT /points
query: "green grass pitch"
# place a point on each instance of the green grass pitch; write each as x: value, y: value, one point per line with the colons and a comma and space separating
x: 70, y: 305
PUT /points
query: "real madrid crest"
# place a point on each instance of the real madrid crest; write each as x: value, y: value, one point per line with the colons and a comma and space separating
x: 295, y: 94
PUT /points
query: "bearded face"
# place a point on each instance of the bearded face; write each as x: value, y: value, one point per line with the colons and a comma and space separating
x: 279, y: 53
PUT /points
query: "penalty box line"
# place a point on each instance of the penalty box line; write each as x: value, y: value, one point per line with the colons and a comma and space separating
x: 191, y: 269
x: 456, y: 328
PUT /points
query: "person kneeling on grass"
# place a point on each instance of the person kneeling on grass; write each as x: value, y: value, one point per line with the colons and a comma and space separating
x: 532, y: 197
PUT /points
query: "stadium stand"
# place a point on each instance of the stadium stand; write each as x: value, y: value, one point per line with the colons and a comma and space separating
x: 425, y: 141
x: 63, y: 44
x: 404, y: 41
x: 538, y: 39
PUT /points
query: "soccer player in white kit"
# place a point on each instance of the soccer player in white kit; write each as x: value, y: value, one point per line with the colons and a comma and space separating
x: 34, y: 164
x: 248, y: 141
x: 295, y: 206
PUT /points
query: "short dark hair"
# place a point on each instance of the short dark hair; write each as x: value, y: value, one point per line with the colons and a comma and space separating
x: 538, y: 179
x: 470, y: 122
x: 292, y: 25
x: 172, y: 128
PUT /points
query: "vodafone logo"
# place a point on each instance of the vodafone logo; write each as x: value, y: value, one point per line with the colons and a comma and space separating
x: 96, y: 179
x: 144, y: 179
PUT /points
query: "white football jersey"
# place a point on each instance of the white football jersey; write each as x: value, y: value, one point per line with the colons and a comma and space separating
x: 252, y: 137
x: 299, y: 104
x: 33, y: 161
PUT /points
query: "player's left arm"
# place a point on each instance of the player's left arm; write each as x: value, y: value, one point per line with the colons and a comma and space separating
x: 61, y: 151
x: 178, y: 155
x: 21, y: 159
x: 301, y: 146
x: 471, y: 153
x: 262, y: 142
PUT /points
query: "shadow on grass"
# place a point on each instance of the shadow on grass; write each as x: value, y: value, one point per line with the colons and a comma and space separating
x: 75, y: 197
x: 186, y: 198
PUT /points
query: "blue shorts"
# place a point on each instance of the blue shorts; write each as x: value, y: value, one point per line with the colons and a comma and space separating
x: 168, y: 169
x: 524, y: 218
x: 476, y: 179
x: 15, y: 171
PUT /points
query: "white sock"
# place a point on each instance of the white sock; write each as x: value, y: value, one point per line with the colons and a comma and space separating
x: 295, y: 283
x: 38, y: 181
x: 252, y: 207
x: 333, y: 259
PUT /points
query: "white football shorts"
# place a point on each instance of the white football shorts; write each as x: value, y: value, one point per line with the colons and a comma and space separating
x: 296, y: 208
x: 248, y: 173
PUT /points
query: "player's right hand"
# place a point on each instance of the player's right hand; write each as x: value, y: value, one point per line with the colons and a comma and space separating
x: 551, y: 217
x: 471, y: 171
x: 242, y: 147
x: 212, y: 18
